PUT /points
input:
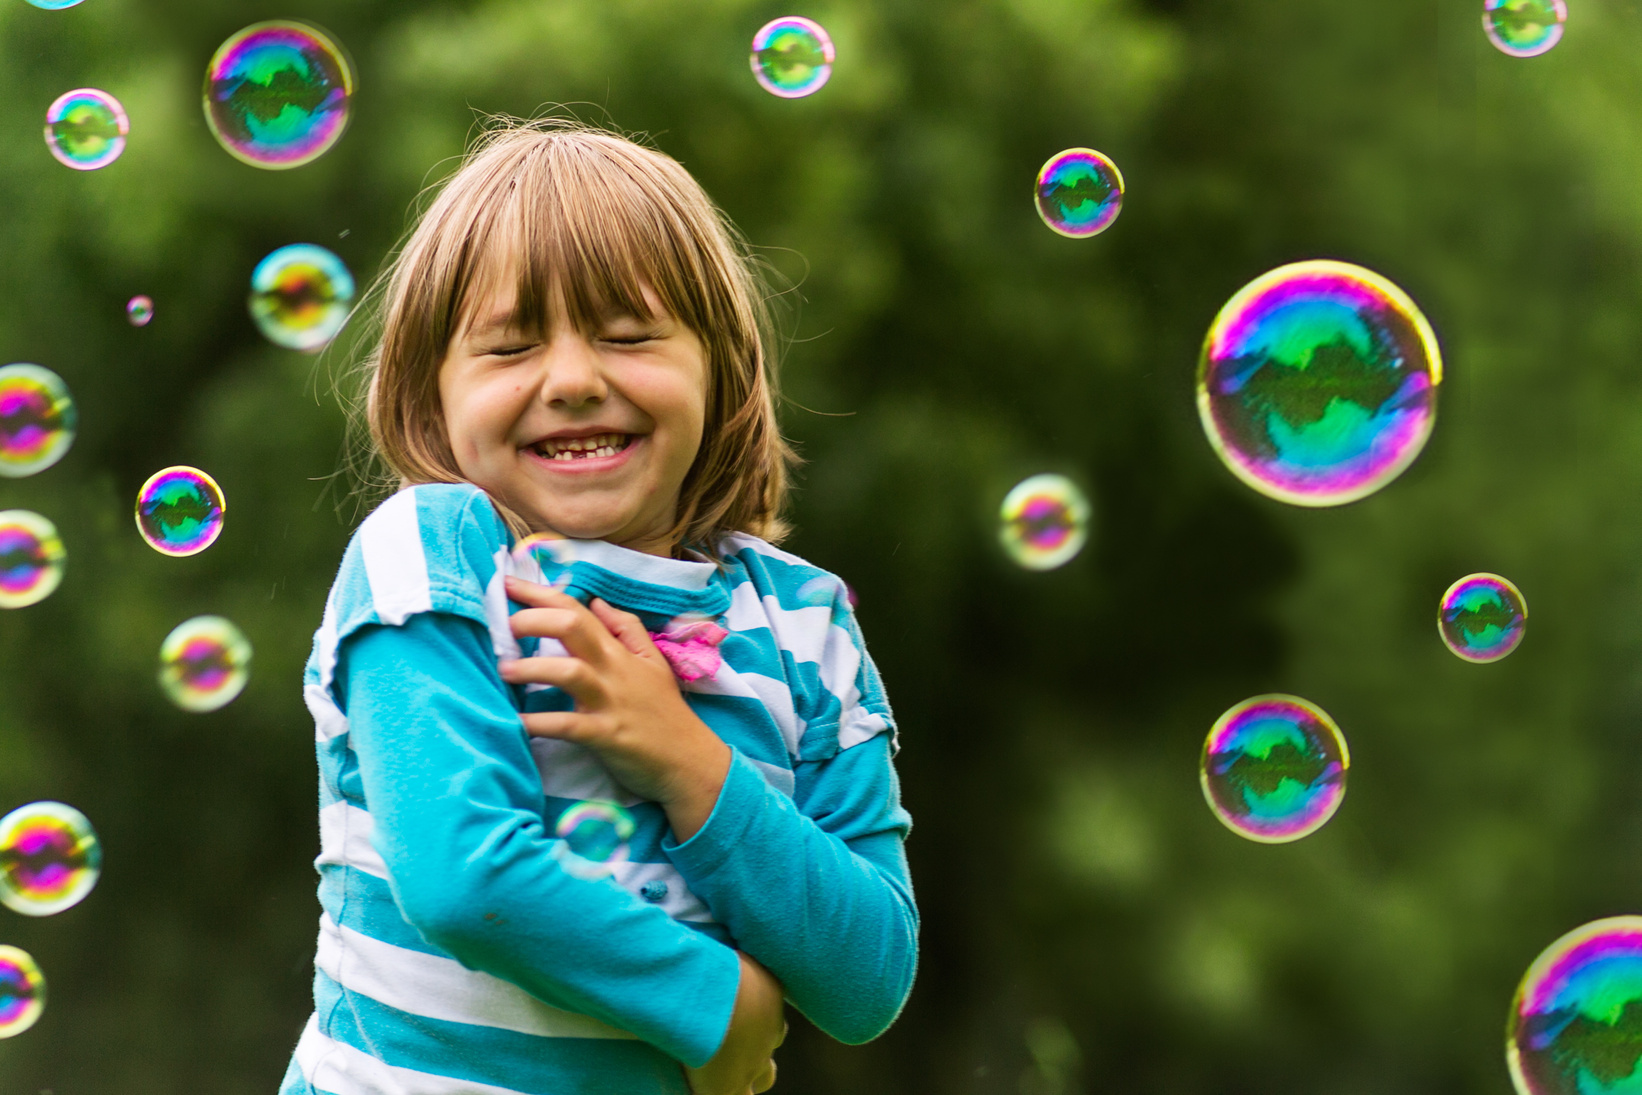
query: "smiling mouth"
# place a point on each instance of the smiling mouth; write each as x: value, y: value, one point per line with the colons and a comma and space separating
x: 569, y: 449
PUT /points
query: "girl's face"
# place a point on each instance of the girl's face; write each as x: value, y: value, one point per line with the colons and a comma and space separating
x: 586, y: 435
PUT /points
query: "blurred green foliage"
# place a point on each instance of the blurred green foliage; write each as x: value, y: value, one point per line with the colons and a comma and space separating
x: 1088, y: 925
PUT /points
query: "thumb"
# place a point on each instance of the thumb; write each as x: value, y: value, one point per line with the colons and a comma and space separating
x: 627, y: 628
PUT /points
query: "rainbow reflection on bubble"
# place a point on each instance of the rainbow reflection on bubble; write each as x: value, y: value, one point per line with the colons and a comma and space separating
x: 1044, y: 522
x: 139, y: 310
x: 1524, y: 28
x: 22, y: 992
x: 1274, y: 768
x: 792, y: 57
x: 300, y: 296
x: 37, y: 419
x: 1575, y: 1026
x: 180, y: 511
x: 1317, y: 383
x: 594, y: 836
x: 278, y: 94
x: 1079, y: 192
x: 1482, y: 617
x: 86, y: 128
x: 204, y: 663
x: 49, y: 858
x: 31, y: 558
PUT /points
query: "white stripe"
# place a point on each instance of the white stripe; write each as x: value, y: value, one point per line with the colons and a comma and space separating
x: 773, y: 694
x: 390, y: 541
x: 329, y: 1065
x: 737, y: 541
x: 572, y: 771
x: 325, y: 642
x: 860, y: 725
x: 442, y: 988
x: 681, y: 903
x: 496, y: 614
x: 840, y: 663
x: 802, y: 632
x: 329, y: 721
x: 654, y: 569
x: 782, y: 779
x: 345, y: 839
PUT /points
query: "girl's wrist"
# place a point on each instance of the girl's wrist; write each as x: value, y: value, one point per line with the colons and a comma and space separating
x: 698, y: 788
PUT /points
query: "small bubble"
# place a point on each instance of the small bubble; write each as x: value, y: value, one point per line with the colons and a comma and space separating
x: 31, y: 558
x: 1575, y: 1024
x: 50, y: 858
x: 180, y: 511
x: 139, y: 310
x: 1079, y: 193
x: 204, y: 663
x: 1317, y: 383
x: 1524, y: 28
x: 1044, y: 522
x: 595, y: 836
x: 86, y: 128
x: 1274, y: 768
x: 22, y: 992
x: 278, y: 94
x: 1482, y: 617
x: 37, y: 419
x: 300, y: 296
x: 792, y: 57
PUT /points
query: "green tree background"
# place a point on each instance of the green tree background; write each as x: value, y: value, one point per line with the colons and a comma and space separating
x: 1088, y: 925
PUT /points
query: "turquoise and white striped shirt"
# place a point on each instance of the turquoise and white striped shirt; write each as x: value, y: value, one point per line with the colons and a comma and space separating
x: 455, y: 954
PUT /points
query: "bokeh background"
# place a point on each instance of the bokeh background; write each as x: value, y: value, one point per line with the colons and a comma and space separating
x: 1088, y: 926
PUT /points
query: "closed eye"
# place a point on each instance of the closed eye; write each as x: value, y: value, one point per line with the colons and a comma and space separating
x: 509, y: 351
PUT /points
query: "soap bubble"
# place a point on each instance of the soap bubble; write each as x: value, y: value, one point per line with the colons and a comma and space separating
x: 204, y: 663
x: 300, y: 296
x: 1044, y: 522
x: 31, y: 558
x: 49, y: 858
x: 1482, y: 617
x: 37, y: 419
x: 278, y: 94
x: 139, y: 310
x: 180, y: 511
x: 1524, y: 28
x: 54, y: 5
x: 1079, y: 192
x: 1575, y: 1026
x: 792, y: 57
x: 1317, y: 383
x: 22, y: 992
x: 86, y: 128
x: 1274, y: 768
x: 595, y: 836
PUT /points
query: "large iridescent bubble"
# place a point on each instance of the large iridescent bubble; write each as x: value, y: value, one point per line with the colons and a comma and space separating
x: 22, y: 991
x: 1575, y: 1026
x: 278, y: 94
x: 1524, y: 28
x: 1079, y: 192
x: 1044, y: 522
x: 180, y: 511
x: 1274, y: 768
x: 300, y: 296
x: 86, y: 128
x: 792, y: 57
x: 37, y: 419
x: 1482, y: 617
x: 593, y: 837
x: 31, y: 558
x: 50, y: 858
x: 1317, y: 384
x: 204, y: 663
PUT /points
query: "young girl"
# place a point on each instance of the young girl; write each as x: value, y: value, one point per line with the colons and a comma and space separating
x: 572, y: 345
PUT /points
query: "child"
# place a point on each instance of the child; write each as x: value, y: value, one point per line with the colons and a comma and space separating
x: 572, y: 345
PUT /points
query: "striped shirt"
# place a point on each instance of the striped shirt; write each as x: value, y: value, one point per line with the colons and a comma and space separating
x: 455, y: 954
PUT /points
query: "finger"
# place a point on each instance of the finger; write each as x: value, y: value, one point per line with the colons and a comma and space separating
x: 569, y: 622
x: 536, y: 594
x: 561, y: 725
x: 766, y: 1079
x: 628, y: 629
x: 571, y: 674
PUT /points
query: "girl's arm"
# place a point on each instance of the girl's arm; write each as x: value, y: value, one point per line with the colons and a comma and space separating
x: 816, y: 886
x: 457, y: 805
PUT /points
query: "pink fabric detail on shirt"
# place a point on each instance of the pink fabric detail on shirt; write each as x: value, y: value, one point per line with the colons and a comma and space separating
x: 691, y: 648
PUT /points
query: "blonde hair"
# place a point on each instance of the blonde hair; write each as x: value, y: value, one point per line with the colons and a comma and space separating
x: 594, y: 217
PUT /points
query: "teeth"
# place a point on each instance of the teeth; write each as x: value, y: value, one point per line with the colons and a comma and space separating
x: 583, y: 448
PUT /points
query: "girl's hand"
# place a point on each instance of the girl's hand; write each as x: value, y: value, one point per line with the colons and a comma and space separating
x: 743, y: 1062
x: 629, y: 710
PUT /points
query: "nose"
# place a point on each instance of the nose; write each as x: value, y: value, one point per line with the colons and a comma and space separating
x: 573, y: 376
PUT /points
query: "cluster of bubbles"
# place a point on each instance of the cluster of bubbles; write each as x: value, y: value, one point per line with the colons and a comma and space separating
x: 86, y: 128
x: 50, y: 859
x: 593, y: 838
x: 37, y: 419
x: 1079, y: 192
x: 1274, y: 768
x: 279, y: 94
x: 180, y: 511
x: 792, y: 57
x: 1044, y: 522
x: 1575, y: 1025
x: 300, y: 296
x: 1482, y: 617
x: 1524, y: 28
x: 31, y: 558
x: 204, y: 663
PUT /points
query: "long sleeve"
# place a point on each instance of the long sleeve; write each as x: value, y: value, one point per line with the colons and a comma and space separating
x: 457, y: 805
x: 816, y: 886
